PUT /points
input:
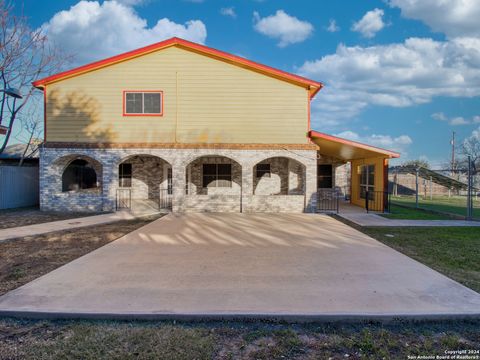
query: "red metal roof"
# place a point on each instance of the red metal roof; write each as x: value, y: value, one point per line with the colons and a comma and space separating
x: 312, y: 86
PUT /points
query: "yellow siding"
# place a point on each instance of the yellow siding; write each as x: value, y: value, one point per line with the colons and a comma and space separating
x: 379, y: 177
x: 205, y: 101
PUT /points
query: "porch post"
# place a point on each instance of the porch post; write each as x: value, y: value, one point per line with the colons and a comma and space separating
x: 178, y: 183
x: 311, y: 185
x: 110, y: 184
x: 247, y: 186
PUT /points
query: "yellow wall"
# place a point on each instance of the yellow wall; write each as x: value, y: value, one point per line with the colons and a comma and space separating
x: 205, y: 101
x: 379, y: 177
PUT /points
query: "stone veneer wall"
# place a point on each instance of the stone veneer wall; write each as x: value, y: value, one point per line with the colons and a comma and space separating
x: 109, y: 158
x: 147, y: 176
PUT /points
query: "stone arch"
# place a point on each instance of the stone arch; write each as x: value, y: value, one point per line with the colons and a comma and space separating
x: 213, y: 174
x: 279, y: 175
x: 64, y: 163
x: 145, y: 174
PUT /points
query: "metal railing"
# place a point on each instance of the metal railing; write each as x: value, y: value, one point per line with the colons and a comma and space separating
x: 165, y: 199
x: 327, y: 200
x: 378, y: 201
x: 123, y: 199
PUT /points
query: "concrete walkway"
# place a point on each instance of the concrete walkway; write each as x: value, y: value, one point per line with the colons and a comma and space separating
x: 281, y: 266
x: 43, y: 228
x: 369, y: 219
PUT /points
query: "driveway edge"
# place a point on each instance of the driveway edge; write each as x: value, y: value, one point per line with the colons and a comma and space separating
x: 275, y: 318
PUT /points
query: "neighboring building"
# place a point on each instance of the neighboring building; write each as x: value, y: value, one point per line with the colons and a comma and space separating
x: 18, y: 184
x: 177, y: 124
x: 12, y: 155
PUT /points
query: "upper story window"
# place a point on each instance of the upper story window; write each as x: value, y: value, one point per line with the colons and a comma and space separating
x: 143, y: 103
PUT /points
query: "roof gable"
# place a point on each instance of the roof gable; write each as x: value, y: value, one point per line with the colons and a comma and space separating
x: 312, y: 86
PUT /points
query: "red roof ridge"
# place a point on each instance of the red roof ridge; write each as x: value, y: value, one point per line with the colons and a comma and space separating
x: 238, y: 60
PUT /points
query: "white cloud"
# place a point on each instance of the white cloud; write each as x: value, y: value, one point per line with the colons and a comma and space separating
x: 370, y: 23
x: 397, y: 75
x: 399, y: 143
x: 439, y: 116
x: 287, y: 29
x: 453, y: 17
x: 92, y: 31
x: 228, y: 11
x: 332, y: 26
x: 457, y: 120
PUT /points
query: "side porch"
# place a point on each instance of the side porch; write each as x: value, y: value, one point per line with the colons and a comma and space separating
x: 351, y: 175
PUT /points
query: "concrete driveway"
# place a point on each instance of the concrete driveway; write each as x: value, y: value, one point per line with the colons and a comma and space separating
x: 279, y: 265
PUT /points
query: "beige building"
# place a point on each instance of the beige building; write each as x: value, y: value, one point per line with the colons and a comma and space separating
x: 182, y: 126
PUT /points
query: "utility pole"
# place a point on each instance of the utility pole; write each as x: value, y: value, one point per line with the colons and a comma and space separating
x: 452, y: 142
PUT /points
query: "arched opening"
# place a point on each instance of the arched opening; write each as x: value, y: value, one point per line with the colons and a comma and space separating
x: 213, y: 184
x: 144, y: 183
x: 211, y: 175
x: 79, y: 175
x: 74, y: 182
x: 279, y: 176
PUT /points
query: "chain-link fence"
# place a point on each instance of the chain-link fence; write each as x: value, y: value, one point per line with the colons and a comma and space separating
x: 455, y: 193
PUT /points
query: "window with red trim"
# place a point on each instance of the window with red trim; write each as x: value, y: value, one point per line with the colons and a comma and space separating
x: 143, y: 103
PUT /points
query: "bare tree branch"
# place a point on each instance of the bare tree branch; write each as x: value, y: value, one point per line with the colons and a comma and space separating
x: 25, y: 56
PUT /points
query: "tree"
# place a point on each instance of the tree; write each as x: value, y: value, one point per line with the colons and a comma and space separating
x: 417, y: 163
x: 25, y: 55
x: 471, y: 147
x: 31, y: 129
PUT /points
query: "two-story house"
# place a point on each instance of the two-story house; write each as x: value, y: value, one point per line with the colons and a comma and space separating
x: 184, y: 126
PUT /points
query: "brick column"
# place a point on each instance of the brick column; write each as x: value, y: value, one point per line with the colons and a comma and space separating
x: 247, y: 186
x: 179, y: 183
x: 311, y: 185
x: 109, y: 182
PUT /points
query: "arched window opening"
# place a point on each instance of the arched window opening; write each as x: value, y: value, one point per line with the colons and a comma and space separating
x: 79, y: 175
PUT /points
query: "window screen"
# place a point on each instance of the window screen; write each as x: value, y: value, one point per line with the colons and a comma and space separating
x: 79, y: 175
x: 217, y: 175
x: 151, y: 103
x: 324, y: 176
x: 143, y: 103
x: 367, y: 181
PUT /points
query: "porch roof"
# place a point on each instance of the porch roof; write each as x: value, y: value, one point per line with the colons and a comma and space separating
x: 347, y: 149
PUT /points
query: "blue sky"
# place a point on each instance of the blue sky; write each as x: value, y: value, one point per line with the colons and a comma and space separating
x: 400, y: 74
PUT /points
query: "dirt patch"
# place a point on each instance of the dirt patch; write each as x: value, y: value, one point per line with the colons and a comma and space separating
x: 24, y: 259
x: 30, y: 216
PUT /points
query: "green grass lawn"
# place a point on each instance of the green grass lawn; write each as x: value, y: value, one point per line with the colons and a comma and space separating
x: 401, y: 212
x: 453, y: 205
x: 453, y: 251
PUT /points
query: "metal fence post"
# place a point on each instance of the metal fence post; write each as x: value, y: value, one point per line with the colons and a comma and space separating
x: 469, y: 190
x: 416, y: 188
x: 366, y: 200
